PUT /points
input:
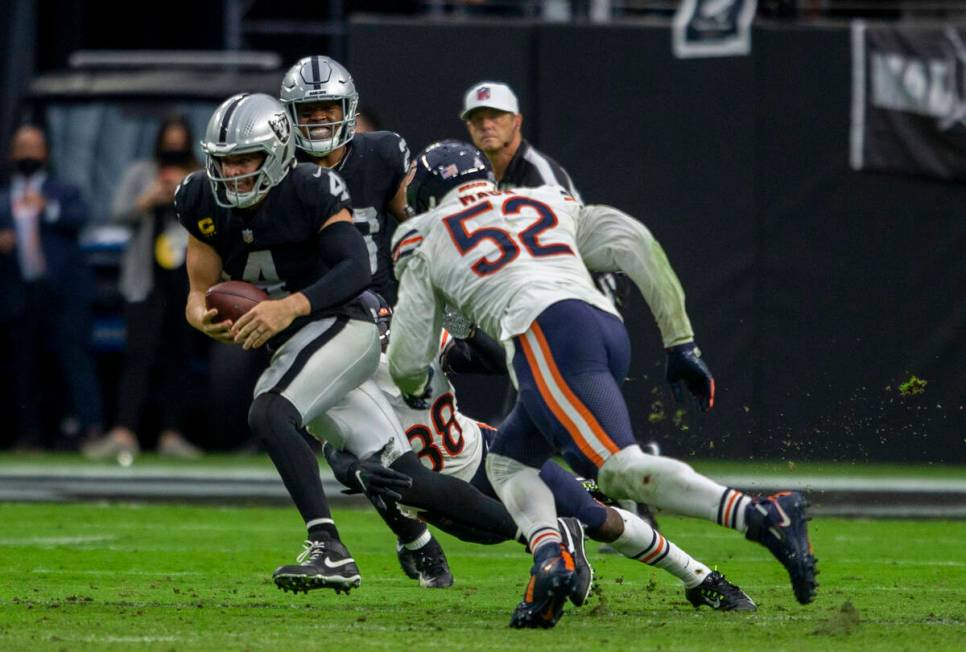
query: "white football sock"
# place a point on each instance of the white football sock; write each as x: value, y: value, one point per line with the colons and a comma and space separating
x: 526, y: 497
x: 660, y: 482
x: 642, y: 542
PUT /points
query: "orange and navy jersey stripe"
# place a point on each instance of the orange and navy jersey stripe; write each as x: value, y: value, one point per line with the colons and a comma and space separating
x: 406, y: 245
x: 580, y: 423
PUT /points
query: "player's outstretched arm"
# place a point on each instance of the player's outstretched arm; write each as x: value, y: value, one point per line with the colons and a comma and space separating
x: 416, y: 325
x: 612, y: 241
x: 609, y: 241
x: 204, y: 270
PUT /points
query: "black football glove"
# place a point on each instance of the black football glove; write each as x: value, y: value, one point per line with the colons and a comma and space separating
x: 686, y: 368
x: 367, y: 475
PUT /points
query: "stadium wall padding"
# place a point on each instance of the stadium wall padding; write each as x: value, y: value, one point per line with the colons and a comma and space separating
x: 815, y: 291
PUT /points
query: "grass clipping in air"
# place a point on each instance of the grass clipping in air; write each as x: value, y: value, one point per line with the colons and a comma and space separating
x: 913, y: 387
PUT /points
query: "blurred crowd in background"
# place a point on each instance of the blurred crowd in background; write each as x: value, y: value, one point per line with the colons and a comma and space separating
x: 162, y: 385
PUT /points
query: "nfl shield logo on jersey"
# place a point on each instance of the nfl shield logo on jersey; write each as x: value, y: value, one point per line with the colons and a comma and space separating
x: 248, y: 236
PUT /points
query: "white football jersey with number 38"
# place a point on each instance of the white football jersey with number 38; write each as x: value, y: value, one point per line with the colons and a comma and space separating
x: 445, y: 440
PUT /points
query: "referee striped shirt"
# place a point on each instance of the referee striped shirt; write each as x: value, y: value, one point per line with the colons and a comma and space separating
x: 530, y: 168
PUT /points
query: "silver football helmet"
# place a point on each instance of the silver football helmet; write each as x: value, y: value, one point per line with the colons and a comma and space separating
x: 247, y: 123
x: 320, y: 79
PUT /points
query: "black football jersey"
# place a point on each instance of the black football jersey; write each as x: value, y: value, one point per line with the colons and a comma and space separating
x: 275, y: 245
x: 373, y: 168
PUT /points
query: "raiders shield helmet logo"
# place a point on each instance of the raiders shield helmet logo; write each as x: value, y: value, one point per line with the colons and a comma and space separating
x: 281, y: 126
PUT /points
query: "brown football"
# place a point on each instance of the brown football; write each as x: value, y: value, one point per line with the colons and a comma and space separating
x: 232, y: 299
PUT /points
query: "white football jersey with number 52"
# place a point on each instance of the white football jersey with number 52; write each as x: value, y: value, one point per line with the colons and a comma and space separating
x: 501, y: 257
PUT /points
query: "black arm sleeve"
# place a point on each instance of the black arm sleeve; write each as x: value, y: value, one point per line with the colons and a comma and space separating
x: 344, y: 251
x: 478, y: 354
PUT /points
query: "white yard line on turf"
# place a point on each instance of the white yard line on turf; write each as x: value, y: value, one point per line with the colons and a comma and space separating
x: 814, y: 482
x: 55, y: 541
x: 894, y: 484
x: 61, y: 571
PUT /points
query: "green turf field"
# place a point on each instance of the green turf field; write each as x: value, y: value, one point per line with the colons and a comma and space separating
x: 46, y: 461
x: 96, y: 577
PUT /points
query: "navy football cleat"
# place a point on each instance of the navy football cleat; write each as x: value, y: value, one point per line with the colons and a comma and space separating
x: 551, y: 583
x: 779, y: 523
x: 572, y: 533
x: 718, y: 593
x: 322, y: 565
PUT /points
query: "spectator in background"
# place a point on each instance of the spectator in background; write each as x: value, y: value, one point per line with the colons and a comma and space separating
x: 154, y: 283
x: 46, y: 288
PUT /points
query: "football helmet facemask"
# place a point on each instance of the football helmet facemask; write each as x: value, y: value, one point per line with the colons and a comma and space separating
x: 320, y: 79
x: 248, y: 123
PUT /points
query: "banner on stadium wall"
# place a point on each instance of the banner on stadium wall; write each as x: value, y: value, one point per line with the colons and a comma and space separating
x: 909, y: 100
x: 713, y: 28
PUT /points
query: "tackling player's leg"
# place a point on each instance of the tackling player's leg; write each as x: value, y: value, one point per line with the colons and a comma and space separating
x: 512, y: 467
x: 364, y: 424
x: 569, y: 381
x: 634, y: 538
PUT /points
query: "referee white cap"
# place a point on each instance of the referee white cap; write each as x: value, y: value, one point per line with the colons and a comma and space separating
x: 492, y: 95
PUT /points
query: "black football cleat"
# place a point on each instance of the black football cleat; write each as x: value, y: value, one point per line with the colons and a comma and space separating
x: 322, y: 565
x: 551, y: 583
x: 718, y: 593
x: 407, y: 561
x: 432, y: 569
x: 572, y: 533
x: 779, y: 523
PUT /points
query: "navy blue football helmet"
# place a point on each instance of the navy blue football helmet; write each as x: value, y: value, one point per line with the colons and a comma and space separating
x: 441, y: 167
